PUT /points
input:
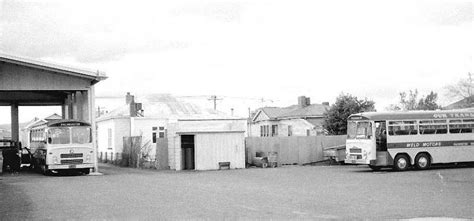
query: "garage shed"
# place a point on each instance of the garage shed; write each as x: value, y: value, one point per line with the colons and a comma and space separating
x: 207, y: 144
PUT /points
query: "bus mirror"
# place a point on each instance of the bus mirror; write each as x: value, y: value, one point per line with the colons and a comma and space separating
x: 49, y: 140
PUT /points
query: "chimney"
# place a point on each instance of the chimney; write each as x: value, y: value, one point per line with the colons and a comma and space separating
x: 325, y: 103
x: 129, y: 98
x: 303, y: 101
x: 136, y: 110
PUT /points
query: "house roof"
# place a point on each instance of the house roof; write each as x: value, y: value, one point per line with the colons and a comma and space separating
x: 463, y: 103
x: 167, y: 106
x: 96, y: 76
x: 294, y: 111
x: 309, y: 111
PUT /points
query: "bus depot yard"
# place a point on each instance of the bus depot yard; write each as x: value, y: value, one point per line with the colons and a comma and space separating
x: 288, y: 192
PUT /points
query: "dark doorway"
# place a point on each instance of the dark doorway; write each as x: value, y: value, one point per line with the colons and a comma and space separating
x: 187, y: 151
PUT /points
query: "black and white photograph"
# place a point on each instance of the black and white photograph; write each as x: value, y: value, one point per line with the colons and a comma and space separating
x: 236, y: 110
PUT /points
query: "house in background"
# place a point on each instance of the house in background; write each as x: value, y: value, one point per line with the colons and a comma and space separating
x: 467, y: 102
x: 5, y: 135
x: 176, y: 129
x: 25, y: 127
x: 304, y: 119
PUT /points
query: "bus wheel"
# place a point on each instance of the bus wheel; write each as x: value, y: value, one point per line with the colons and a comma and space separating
x: 401, y: 163
x: 422, y: 161
x: 86, y: 171
x: 375, y: 168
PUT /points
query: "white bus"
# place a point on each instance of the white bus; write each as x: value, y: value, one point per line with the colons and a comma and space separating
x: 414, y: 138
x: 62, y: 145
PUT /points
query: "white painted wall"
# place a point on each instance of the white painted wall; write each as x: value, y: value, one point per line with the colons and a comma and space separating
x: 120, y: 128
x: 102, y: 135
x: 144, y: 127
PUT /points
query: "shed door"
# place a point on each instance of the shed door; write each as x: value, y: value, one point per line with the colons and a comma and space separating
x: 187, y: 151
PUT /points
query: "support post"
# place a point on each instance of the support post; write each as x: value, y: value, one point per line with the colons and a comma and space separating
x: 91, y: 94
x: 15, y: 123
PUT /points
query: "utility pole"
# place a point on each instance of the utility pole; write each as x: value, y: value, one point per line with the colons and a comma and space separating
x: 215, y: 99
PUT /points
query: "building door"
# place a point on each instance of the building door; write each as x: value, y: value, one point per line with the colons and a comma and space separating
x: 187, y: 151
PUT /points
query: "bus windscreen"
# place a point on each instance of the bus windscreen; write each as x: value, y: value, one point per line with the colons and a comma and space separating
x: 359, y: 130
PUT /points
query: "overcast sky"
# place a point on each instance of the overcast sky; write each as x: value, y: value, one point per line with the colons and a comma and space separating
x: 275, y: 49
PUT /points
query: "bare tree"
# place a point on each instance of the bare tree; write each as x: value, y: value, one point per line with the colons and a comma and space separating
x: 464, y: 89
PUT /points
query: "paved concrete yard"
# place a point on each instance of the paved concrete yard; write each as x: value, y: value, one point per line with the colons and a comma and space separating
x: 292, y: 192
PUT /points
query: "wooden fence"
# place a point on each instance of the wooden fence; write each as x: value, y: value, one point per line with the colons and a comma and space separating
x: 292, y: 150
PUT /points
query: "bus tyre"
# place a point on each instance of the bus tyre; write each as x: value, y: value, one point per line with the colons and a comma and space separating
x: 401, y: 163
x: 375, y: 168
x: 422, y: 161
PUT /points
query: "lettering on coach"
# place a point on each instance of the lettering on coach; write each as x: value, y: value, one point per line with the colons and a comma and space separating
x: 454, y: 115
x: 423, y: 144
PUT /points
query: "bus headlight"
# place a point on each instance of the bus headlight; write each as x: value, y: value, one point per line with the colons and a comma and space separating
x: 55, y: 160
x: 88, y: 158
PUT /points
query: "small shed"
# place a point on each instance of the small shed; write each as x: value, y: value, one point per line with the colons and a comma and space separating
x: 207, y: 144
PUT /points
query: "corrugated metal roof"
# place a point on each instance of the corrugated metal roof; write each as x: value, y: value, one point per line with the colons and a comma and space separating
x: 29, y: 62
x: 168, y: 106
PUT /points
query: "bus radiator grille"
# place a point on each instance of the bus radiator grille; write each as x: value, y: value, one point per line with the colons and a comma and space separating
x: 74, y: 161
x: 355, y: 150
x: 71, y: 155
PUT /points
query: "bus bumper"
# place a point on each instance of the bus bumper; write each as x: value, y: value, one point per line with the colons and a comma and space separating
x: 354, y: 161
x: 70, y: 166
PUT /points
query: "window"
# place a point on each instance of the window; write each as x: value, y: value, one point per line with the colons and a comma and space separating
x: 461, y: 126
x: 433, y: 127
x: 402, y: 128
x: 290, y: 130
x: 359, y: 130
x: 274, y: 130
x: 264, y: 130
x: 109, y: 138
x: 81, y: 135
x: 160, y: 131
x: 59, y: 136
x: 153, y: 134
x: 161, y: 134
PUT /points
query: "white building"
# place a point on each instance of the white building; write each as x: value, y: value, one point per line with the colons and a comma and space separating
x: 163, y: 121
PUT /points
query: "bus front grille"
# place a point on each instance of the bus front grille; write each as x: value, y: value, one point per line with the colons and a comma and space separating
x: 71, y: 155
x: 355, y: 150
x: 73, y: 161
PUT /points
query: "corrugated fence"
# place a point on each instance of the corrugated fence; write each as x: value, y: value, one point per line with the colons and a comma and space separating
x: 293, y: 150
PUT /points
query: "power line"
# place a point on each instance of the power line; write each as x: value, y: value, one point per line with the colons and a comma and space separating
x: 215, y: 99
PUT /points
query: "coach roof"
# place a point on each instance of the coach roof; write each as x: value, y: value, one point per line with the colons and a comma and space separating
x: 412, y: 115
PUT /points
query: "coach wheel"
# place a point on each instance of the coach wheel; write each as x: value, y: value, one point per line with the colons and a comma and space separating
x: 86, y: 171
x: 375, y: 168
x: 422, y: 161
x: 401, y: 163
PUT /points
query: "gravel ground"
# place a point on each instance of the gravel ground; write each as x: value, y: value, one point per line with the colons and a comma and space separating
x: 289, y: 192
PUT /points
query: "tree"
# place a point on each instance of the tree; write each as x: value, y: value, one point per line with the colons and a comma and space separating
x: 335, y: 119
x: 464, y: 89
x: 410, y: 101
x: 429, y: 102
